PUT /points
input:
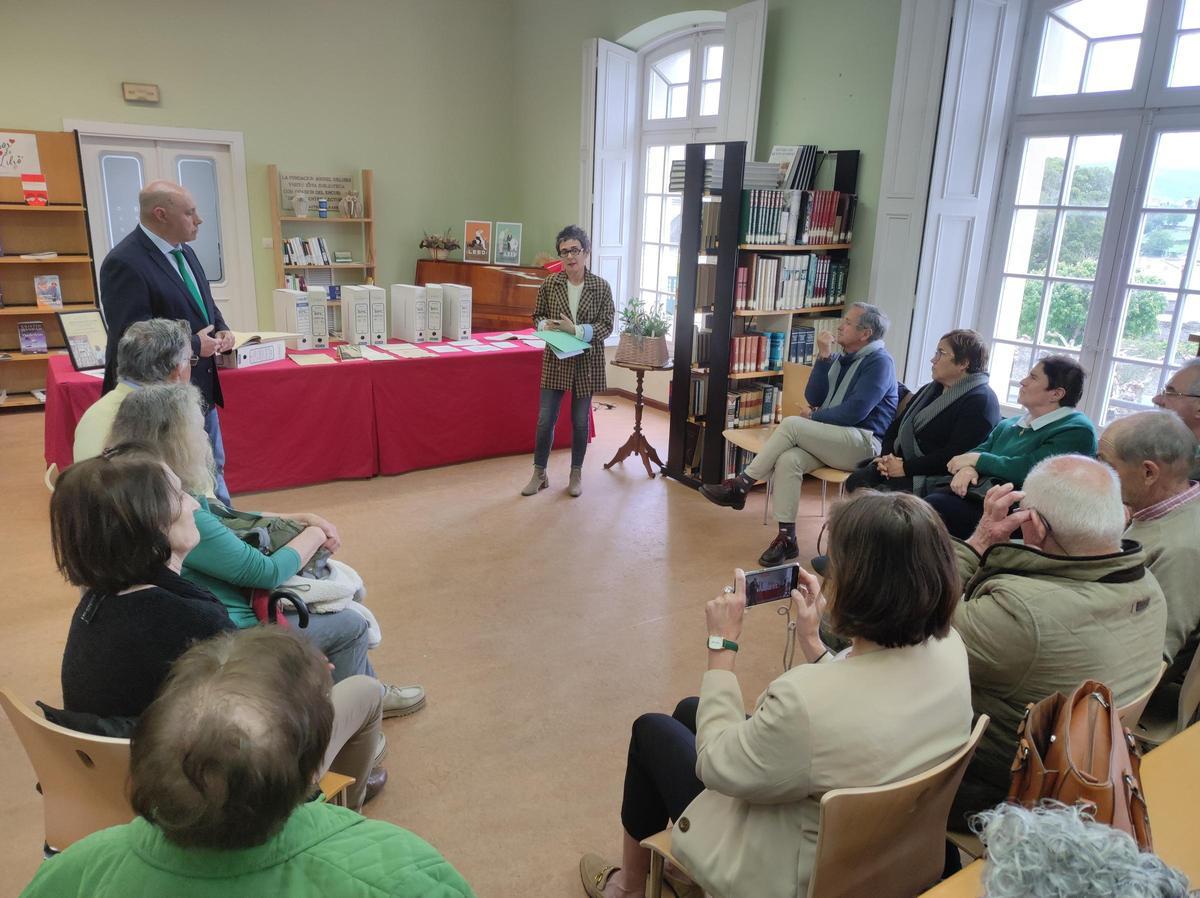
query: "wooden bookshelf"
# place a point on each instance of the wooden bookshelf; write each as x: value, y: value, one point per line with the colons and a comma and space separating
x: 714, y: 275
x: 61, y: 226
x: 356, y: 235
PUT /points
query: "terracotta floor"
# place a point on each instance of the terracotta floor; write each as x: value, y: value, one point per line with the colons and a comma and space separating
x: 541, y: 627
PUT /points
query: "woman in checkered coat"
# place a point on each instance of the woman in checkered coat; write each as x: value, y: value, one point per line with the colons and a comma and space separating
x: 579, y: 303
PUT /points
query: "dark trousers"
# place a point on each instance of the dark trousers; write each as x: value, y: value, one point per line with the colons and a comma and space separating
x: 867, y: 476
x: 548, y: 406
x: 959, y: 515
x: 660, y: 775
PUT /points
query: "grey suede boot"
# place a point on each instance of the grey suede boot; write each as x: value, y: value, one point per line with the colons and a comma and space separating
x: 575, y: 487
x: 537, y: 482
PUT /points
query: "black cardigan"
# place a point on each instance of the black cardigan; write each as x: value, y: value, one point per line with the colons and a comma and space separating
x: 120, y: 648
x: 957, y: 429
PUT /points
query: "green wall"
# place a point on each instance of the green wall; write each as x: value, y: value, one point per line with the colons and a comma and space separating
x: 464, y: 108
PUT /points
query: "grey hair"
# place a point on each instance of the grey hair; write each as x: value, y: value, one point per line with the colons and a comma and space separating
x: 158, y: 193
x: 1159, y: 436
x: 573, y: 232
x: 1080, y: 499
x: 168, y: 418
x: 873, y: 319
x: 150, y: 351
x: 1054, y: 850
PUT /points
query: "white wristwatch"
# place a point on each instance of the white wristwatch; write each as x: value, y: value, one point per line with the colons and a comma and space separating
x: 716, y: 643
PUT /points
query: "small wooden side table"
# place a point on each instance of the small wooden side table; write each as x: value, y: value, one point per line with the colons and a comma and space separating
x: 637, y: 444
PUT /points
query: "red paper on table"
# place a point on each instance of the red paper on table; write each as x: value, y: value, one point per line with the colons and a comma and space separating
x: 34, y: 185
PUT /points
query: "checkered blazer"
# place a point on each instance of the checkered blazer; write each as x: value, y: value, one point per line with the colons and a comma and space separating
x: 583, y: 374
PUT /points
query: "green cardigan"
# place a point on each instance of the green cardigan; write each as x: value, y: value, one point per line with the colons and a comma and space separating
x: 1010, y: 451
x: 229, y: 568
x: 322, y: 851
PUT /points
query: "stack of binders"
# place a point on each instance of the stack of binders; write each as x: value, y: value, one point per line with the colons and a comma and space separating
x: 410, y: 313
x: 356, y: 315
x: 305, y: 313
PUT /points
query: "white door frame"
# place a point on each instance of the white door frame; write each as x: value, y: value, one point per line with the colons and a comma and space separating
x: 244, y: 276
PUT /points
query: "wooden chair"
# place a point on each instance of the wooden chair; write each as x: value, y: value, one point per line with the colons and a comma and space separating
x: 84, y: 779
x: 1163, y: 718
x: 1131, y: 713
x: 880, y: 841
x: 1171, y: 780
x: 51, y: 476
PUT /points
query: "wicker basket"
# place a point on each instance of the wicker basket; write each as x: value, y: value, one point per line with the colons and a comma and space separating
x: 650, y: 352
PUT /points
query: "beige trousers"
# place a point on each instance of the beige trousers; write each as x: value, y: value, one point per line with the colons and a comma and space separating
x: 357, y: 717
x: 800, y: 445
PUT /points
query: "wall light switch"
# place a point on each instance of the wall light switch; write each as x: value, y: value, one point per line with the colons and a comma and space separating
x: 267, y: 243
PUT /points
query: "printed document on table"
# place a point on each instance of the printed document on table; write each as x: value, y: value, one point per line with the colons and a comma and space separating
x: 314, y: 358
x: 374, y: 355
x: 509, y: 344
x: 483, y: 347
x: 470, y: 342
x: 442, y: 348
x: 504, y: 336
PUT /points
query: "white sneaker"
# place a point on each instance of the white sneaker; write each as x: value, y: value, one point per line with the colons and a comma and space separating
x: 400, y: 701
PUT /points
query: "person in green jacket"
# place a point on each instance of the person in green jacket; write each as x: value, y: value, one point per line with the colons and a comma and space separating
x: 1050, y: 426
x: 220, y: 766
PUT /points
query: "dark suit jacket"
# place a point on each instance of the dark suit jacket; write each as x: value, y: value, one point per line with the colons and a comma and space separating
x: 138, y: 282
x: 958, y: 429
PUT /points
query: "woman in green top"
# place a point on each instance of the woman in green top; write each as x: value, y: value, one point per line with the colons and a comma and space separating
x: 1050, y: 426
x: 168, y: 418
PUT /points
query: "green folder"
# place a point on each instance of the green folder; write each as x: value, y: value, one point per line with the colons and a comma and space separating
x: 563, y: 342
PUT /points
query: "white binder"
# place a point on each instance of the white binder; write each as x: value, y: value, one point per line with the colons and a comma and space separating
x: 379, y: 304
x: 318, y: 309
x: 303, y: 313
x: 356, y: 315
x: 410, y: 317
x: 456, y: 311
x: 433, y: 305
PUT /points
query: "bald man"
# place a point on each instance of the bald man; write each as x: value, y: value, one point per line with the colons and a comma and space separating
x: 1182, y: 396
x: 153, y: 273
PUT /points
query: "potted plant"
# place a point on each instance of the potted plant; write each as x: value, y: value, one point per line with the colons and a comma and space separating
x: 643, y: 335
x: 440, y: 245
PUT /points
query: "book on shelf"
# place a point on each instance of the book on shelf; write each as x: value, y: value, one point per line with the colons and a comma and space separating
x: 710, y: 224
x: 754, y: 174
x: 788, y: 283
x: 32, y: 337
x: 49, y: 254
x: 48, y: 290
x: 796, y: 217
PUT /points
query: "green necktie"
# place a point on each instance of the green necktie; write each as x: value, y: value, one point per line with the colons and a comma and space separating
x: 191, y: 283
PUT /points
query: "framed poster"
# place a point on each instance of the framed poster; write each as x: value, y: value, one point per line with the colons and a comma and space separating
x: 508, y: 243
x: 477, y: 242
x: 86, y: 338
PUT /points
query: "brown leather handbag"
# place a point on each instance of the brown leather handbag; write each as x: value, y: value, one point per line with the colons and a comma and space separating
x: 1074, y: 749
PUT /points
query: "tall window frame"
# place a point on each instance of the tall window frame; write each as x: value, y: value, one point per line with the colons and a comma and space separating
x: 1150, y: 108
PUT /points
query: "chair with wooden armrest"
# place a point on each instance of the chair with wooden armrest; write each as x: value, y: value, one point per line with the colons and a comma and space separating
x: 1131, y: 713
x: 1164, y: 717
x: 883, y: 841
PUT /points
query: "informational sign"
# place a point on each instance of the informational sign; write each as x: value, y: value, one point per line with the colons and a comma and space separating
x: 315, y: 187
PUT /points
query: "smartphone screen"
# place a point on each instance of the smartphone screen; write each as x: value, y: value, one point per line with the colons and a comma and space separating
x: 771, y: 584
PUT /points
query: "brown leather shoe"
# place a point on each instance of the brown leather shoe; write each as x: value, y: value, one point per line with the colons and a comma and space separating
x: 726, y: 494
x: 783, y: 548
x: 376, y: 780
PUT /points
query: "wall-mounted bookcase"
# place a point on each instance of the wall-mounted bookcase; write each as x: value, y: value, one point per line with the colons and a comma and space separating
x: 341, y: 234
x: 60, y: 227
x: 739, y: 291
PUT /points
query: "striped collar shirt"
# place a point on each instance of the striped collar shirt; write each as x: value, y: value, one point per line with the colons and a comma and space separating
x: 1166, y: 506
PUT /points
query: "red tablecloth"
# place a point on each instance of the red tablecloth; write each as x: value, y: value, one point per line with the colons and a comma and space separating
x: 285, y: 425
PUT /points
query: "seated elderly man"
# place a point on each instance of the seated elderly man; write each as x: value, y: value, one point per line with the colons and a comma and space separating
x: 1182, y: 396
x: 1152, y: 453
x: 1072, y: 602
x: 221, y: 764
x: 852, y: 398
x: 155, y: 351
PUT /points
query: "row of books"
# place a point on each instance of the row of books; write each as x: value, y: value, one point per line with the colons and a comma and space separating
x: 797, y: 217
x: 802, y: 341
x: 693, y: 448
x: 698, y: 397
x: 752, y: 352
x: 701, y: 346
x: 310, y: 251
x: 710, y: 225
x: 754, y: 174
x: 736, y: 459
x: 753, y: 405
x: 798, y: 165
x: 774, y: 283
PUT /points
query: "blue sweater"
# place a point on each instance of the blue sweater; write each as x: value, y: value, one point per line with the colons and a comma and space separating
x: 870, y: 401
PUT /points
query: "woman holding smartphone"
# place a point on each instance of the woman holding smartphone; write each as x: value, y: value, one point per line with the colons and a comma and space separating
x: 745, y: 792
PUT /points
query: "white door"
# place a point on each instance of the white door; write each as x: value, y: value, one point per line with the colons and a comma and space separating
x: 115, y: 168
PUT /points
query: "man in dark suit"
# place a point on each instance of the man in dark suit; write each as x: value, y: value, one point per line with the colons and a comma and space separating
x: 153, y: 273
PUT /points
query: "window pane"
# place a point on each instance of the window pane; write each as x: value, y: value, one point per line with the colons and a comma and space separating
x: 671, y: 219
x: 649, y: 265
x: 1175, y: 176
x: 1042, y: 171
x: 1061, y: 61
x: 1105, y: 18
x: 668, y: 268
x: 652, y: 217
x: 713, y: 56
x: 1147, y: 325
x: 1020, y: 308
x: 200, y: 177
x: 710, y: 98
x: 1079, y: 252
x: 1009, y: 364
x: 1185, y: 66
x: 1029, y: 244
x: 676, y: 67
x: 677, y: 101
x: 654, y: 169
x: 1162, y: 248
x: 1134, y: 383
x: 1111, y: 66
x: 1189, y: 323
x: 1092, y: 166
x: 1191, y: 14
x: 1068, y: 314
x: 658, y: 96
x: 122, y: 177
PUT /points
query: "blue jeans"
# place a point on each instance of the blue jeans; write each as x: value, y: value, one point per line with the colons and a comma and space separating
x: 548, y: 406
x: 212, y: 426
x: 341, y: 636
